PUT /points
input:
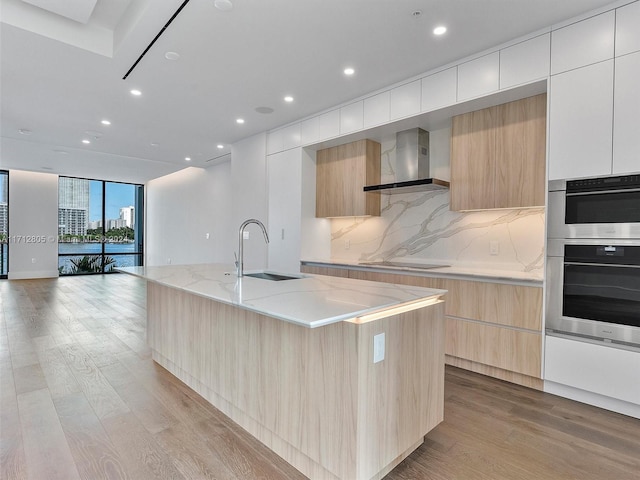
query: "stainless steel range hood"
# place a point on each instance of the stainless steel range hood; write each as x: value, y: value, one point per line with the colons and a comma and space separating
x: 412, y: 166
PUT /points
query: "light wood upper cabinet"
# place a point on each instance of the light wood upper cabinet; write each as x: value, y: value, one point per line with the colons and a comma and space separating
x: 521, y: 152
x: 472, y: 159
x: 498, y: 156
x: 341, y: 174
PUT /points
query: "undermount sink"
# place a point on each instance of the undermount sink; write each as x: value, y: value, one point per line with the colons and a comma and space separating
x: 272, y: 276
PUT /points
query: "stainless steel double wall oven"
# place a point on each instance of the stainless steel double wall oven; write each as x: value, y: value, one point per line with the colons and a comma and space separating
x: 593, y: 259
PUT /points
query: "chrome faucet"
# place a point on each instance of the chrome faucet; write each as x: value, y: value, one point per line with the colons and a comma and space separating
x: 240, y: 258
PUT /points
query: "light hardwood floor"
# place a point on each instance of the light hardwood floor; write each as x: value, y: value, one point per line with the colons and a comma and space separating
x: 80, y: 397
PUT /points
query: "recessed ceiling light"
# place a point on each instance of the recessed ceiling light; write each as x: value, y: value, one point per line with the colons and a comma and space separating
x: 135, y: 92
x: 172, y: 55
x: 59, y: 151
x: 154, y: 144
x: 439, y: 30
x: 288, y: 99
x: 188, y: 159
x: 240, y: 120
x: 86, y: 142
x: 349, y: 71
x: 105, y: 122
x: 24, y: 131
x: 223, y: 5
x: 220, y: 146
x: 416, y: 13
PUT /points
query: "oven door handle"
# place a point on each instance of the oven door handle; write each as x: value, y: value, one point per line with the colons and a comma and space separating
x: 601, y: 192
x: 588, y: 264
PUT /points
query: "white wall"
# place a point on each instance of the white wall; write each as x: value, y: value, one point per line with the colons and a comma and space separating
x: 181, y: 208
x: 249, y: 196
x: 33, y: 225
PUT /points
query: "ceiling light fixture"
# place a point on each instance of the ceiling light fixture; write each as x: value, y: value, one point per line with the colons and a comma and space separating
x: 135, y: 92
x: 24, y: 131
x: 416, y: 13
x: 105, y: 122
x: 240, y: 120
x: 265, y: 110
x: 154, y: 144
x: 349, y: 71
x: 188, y: 159
x: 172, y: 55
x: 220, y: 146
x: 288, y: 99
x: 439, y: 30
x: 86, y: 142
x: 223, y: 5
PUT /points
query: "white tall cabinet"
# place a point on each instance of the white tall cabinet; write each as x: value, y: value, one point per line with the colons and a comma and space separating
x: 626, y: 121
x: 594, y: 96
x: 284, y: 172
x: 581, y: 122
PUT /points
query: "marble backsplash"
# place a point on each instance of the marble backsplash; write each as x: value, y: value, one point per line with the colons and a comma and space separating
x: 420, y: 228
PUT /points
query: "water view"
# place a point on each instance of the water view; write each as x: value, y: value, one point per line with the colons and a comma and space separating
x: 90, y: 253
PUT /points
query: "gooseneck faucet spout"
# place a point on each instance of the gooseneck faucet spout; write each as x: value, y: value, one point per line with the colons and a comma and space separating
x: 240, y: 259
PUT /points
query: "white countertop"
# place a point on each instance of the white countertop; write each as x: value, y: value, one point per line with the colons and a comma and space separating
x: 311, y: 301
x: 447, y: 271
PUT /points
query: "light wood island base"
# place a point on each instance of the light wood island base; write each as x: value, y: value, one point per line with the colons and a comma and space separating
x: 312, y: 395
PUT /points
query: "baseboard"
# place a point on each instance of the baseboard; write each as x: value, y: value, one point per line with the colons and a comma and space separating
x: 29, y: 275
x: 595, y: 399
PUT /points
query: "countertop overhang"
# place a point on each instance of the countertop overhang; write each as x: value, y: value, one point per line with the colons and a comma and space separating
x: 311, y: 301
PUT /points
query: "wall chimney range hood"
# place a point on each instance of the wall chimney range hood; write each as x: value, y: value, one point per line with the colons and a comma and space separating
x: 412, y: 166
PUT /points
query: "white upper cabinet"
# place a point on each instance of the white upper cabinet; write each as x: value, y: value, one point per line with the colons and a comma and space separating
x: 583, y: 43
x: 351, y: 118
x: 274, y: 141
x: 479, y: 77
x: 581, y: 122
x: 439, y: 89
x: 376, y: 109
x: 405, y: 100
x: 309, y: 131
x: 525, y: 62
x: 626, y: 123
x: 329, y: 125
x: 291, y: 136
x: 628, y: 29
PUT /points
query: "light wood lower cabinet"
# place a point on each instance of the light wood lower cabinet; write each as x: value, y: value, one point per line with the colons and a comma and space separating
x: 491, y: 328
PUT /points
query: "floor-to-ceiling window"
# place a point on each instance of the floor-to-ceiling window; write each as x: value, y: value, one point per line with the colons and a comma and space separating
x: 100, y: 225
x: 4, y: 223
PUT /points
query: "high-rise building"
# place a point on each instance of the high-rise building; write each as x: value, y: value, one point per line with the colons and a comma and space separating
x: 128, y: 215
x: 4, y: 218
x: 73, y: 206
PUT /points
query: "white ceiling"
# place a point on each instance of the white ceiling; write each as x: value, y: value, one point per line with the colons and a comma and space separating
x: 60, y: 78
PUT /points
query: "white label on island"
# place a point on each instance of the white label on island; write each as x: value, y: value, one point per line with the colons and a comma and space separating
x: 378, y: 348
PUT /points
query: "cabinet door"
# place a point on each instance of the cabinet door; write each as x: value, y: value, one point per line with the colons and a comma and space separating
x: 521, y: 153
x: 473, y: 160
x: 376, y: 109
x: 583, y: 43
x: 626, y: 123
x: 581, y: 122
x: 627, y: 31
x: 479, y: 77
x: 285, y: 203
x: 329, y: 184
x: 341, y: 175
x: 525, y: 62
x: 439, y: 89
x: 405, y: 100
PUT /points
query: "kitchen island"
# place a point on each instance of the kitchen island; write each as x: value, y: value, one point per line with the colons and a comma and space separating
x: 292, y: 361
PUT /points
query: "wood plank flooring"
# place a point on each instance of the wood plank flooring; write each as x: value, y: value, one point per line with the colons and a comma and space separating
x: 81, y: 398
